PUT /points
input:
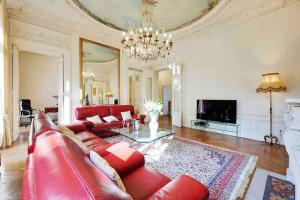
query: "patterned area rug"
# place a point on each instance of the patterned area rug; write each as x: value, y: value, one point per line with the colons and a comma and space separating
x: 225, y: 172
x: 267, y: 185
x: 277, y: 188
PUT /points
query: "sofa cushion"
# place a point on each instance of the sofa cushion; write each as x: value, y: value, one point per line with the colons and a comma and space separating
x: 126, y: 115
x: 116, y: 110
x: 96, y: 142
x: 89, y: 111
x: 86, y: 136
x: 86, y: 123
x: 95, y: 119
x: 110, y: 119
x: 106, y: 126
x: 123, y: 158
x: 62, y: 171
x: 143, y: 182
x: 103, y: 165
x: 70, y: 134
x: 183, y: 187
x: 77, y: 127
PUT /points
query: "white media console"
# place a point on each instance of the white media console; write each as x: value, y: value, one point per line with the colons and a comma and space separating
x: 217, y: 127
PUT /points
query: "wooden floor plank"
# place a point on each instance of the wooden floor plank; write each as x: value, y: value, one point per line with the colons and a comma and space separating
x: 273, y: 158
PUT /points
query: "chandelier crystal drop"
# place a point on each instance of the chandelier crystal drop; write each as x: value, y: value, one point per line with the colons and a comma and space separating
x: 148, y: 41
x: 88, y: 75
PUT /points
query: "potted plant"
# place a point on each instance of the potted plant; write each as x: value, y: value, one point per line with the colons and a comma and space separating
x: 153, y: 109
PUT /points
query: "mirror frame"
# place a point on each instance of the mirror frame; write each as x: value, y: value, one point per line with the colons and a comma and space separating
x: 81, y: 40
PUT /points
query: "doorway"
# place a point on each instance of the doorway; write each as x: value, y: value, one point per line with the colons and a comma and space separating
x: 62, y: 92
x: 135, y: 89
x: 38, y: 85
x: 165, y: 91
x: 39, y: 70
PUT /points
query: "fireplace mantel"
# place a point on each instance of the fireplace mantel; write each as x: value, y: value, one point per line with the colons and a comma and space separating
x: 292, y: 142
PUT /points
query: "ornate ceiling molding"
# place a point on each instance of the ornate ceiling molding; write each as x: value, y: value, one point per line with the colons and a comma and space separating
x: 23, y: 30
x: 230, y: 12
x: 210, y: 6
x: 61, y: 16
x: 66, y: 17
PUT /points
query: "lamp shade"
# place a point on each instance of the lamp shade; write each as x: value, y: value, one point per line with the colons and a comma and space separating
x: 109, y: 94
x: 271, y: 82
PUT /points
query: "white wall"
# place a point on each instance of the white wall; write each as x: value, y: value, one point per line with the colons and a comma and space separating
x: 164, y: 79
x: 38, y: 79
x: 228, y: 65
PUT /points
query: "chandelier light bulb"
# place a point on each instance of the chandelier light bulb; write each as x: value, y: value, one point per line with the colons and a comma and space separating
x: 141, y: 43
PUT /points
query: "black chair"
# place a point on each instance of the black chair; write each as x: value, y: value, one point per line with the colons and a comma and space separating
x: 26, y: 112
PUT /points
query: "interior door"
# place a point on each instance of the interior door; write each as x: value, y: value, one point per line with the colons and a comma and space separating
x: 176, y: 95
x: 15, y: 92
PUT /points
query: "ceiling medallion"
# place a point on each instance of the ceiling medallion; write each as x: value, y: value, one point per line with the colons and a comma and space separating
x: 147, y: 42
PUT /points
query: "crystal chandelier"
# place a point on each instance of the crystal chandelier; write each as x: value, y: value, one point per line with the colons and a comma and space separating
x: 147, y: 41
x: 88, y: 75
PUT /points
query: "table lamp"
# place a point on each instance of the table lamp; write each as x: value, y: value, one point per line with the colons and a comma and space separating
x: 271, y: 83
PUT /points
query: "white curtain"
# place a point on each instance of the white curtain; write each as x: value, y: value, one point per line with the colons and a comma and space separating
x: 5, y: 132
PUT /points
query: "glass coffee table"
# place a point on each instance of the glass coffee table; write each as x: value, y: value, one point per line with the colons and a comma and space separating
x: 143, y: 135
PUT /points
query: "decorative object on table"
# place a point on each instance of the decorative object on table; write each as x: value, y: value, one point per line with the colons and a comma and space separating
x: 271, y: 83
x: 126, y: 125
x: 146, y: 42
x: 225, y: 172
x: 136, y: 125
x: 153, y: 109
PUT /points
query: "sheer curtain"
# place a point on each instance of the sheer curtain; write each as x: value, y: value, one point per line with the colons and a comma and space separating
x: 5, y: 133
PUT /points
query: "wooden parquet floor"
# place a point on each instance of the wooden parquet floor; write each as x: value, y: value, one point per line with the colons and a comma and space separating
x: 273, y: 158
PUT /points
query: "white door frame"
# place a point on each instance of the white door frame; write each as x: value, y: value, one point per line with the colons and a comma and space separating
x: 176, y: 110
x: 15, y: 92
x: 64, y: 73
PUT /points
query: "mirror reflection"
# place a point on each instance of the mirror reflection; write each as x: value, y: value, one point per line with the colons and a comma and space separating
x: 100, y: 66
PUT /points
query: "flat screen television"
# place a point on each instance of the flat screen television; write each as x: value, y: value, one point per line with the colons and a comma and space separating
x: 217, y: 110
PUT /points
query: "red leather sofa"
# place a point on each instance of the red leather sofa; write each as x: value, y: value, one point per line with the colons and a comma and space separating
x: 102, y: 130
x: 58, y: 169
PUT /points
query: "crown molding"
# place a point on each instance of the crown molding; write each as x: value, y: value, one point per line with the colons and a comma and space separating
x: 231, y: 12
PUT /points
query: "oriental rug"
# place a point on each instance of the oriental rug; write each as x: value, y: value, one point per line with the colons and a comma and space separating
x: 225, y: 172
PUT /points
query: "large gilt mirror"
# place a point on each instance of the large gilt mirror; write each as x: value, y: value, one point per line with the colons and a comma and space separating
x: 100, y: 73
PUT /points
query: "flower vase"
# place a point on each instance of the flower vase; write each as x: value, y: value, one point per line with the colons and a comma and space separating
x: 153, y: 125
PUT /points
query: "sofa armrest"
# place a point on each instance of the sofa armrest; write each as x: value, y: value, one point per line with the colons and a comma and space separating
x: 181, y: 188
x: 77, y: 127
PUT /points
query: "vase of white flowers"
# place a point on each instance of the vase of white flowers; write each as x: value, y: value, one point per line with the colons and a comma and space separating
x: 153, y: 109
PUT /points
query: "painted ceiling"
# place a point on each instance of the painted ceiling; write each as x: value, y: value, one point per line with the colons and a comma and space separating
x: 95, y: 53
x: 174, y: 14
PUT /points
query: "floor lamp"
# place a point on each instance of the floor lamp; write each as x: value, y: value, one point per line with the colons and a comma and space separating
x: 108, y: 94
x: 271, y: 83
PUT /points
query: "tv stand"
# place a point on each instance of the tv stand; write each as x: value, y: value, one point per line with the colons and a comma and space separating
x: 218, y: 127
